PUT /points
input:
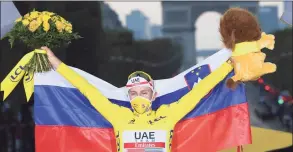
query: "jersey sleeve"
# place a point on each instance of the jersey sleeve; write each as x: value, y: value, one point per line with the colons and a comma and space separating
x: 183, y: 106
x: 96, y: 98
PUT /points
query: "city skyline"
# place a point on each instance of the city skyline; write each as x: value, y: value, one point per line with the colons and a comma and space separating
x: 139, y: 24
x: 142, y: 29
x: 207, y: 28
x: 207, y: 24
x: 153, y: 10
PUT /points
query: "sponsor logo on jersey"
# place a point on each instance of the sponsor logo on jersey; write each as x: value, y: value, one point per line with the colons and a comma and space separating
x: 145, y: 141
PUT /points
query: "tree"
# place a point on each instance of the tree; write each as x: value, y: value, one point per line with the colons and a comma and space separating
x: 282, y: 57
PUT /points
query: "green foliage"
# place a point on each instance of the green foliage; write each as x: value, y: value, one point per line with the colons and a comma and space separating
x: 31, y: 30
x: 37, y: 29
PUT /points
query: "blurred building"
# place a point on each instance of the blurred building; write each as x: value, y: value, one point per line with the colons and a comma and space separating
x: 139, y: 24
x: 110, y: 17
x: 179, y: 19
x: 156, y: 31
x: 268, y: 18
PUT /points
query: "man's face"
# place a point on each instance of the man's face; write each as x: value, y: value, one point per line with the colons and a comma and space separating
x: 142, y: 91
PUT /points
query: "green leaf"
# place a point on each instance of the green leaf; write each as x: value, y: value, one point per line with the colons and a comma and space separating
x: 11, y: 41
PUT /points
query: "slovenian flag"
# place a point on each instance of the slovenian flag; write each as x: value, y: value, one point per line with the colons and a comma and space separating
x: 66, y: 121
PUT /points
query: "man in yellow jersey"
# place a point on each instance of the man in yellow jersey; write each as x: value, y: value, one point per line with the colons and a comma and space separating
x: 141, y: 129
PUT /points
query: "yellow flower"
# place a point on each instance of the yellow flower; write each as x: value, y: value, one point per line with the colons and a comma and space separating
x: 30, y: 19
x: 59, y: 26
x: 26, y: 15
x: 40, y: 16
x: 25, y: 22
x: 68, y: 24
x: 47, y: 13
x: 34, y: 14
x: 54, y: 18
x: 46, y: 26
x: 68, y: 29
x: 34, y: 25
x: 62, y: 20
x: 46, y: 18
x: 39, y: 20
x: 19, y: 19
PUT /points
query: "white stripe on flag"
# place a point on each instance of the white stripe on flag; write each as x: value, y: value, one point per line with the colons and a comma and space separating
x: 163, y: 86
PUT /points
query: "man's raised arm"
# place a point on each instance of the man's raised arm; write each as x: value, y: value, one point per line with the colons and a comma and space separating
x: 96, y: 98
x: 183, y: 106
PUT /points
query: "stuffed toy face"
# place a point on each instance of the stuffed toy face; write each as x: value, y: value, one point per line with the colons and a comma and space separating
x: 241, y: 33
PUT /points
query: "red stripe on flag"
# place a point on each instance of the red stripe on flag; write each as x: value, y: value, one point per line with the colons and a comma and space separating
x: 74, y: 139
x: 223, y: 129
x: 145, y: 145
x: 216, y: 131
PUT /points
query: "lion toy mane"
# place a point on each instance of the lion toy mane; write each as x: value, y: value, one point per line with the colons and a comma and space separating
x: 241, y: 33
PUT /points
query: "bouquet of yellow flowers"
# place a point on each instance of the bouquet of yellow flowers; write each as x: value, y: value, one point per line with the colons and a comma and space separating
x: 37, y: 29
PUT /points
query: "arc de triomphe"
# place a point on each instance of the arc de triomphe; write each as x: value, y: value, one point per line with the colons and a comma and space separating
x: 179, y: 18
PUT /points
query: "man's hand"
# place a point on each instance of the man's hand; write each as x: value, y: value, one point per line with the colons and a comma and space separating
x: 55, y: 62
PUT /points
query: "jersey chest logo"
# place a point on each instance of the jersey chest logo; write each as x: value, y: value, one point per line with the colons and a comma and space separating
x: 147, y: 140
x: 156, y: 120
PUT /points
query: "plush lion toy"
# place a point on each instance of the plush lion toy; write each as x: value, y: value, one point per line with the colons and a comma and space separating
x: 242, y: 34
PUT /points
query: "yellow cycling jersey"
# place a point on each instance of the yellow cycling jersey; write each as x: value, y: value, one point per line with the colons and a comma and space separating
x: 151, y: 131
